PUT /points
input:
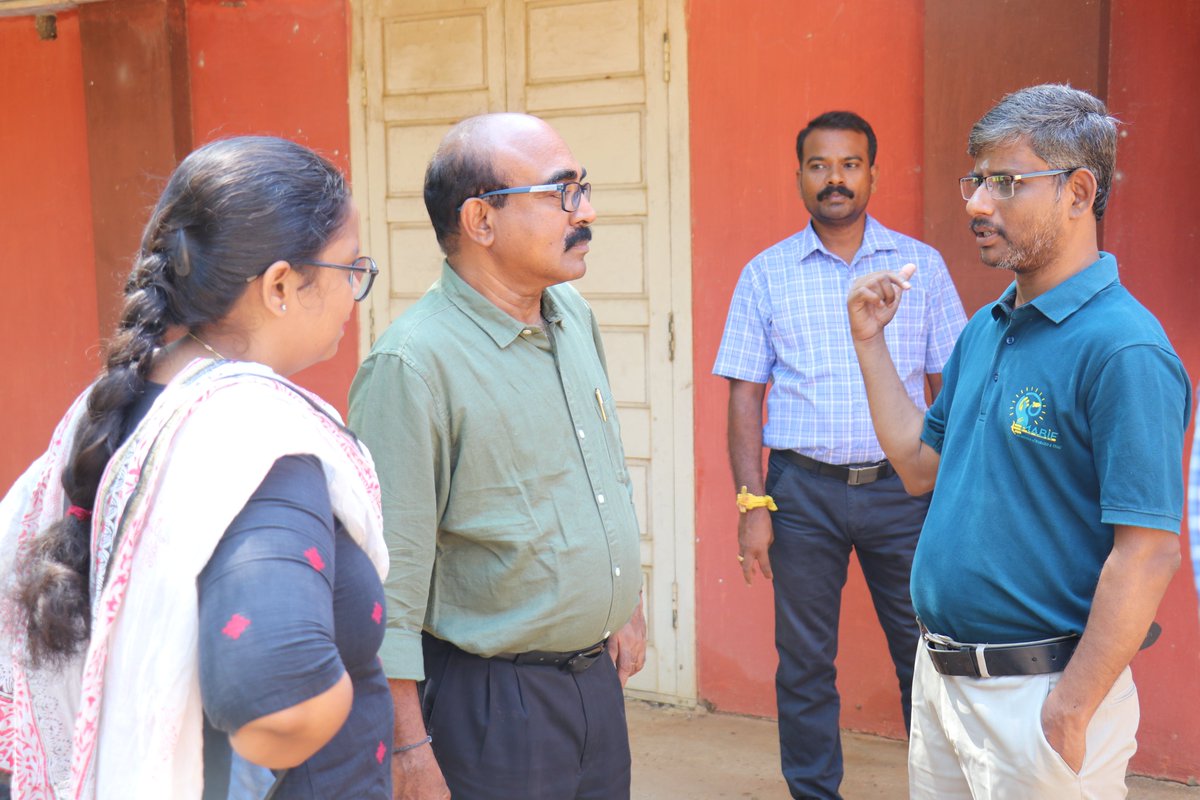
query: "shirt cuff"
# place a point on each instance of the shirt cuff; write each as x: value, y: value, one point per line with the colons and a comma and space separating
x: 402, y: 656
x: 1140, y: 519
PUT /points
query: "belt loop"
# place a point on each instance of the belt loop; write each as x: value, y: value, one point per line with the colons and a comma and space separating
x: 981, y: 662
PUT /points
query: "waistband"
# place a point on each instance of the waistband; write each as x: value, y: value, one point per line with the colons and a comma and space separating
x: 571, y: 661
x: 854, y: 475
x: 997, y: 660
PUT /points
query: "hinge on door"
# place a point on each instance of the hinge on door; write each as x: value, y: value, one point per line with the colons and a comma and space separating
x: 674, y: 605
x: 371, y: 325
x: 363, y: 83
x: 671, y: 336
x: 666, y: 42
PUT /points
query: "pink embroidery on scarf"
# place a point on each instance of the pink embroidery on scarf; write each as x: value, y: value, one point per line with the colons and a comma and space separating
x: 377, y: 613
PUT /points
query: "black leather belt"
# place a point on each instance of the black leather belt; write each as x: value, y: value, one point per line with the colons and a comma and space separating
x: 996, y: 660
x: 850, y: 474
x: 574, y: 661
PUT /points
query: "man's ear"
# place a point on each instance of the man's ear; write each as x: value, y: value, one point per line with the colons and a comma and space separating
x: 1082, y: 187
x: 277, y: 286
x: 874, y: 177
x: 475, y: 221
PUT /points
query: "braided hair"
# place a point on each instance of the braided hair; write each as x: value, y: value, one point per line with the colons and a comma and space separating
x: 230, y: 210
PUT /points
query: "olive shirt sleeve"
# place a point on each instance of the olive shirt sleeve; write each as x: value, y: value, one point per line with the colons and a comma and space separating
x: 396, y: 412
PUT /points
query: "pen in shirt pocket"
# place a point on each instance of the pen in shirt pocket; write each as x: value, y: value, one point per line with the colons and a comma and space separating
x: 600, y: 404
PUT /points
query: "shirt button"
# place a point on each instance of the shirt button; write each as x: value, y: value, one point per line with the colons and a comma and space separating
x: 599, y: 498
x: 1010, y: 340
x: 527, y: 332
x: 582, y: 435
x: 607, y: 634
x: 617, y: 571
x: 995, y: 377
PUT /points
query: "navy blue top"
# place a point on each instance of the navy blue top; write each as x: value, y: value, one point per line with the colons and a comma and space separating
x: 1057, y: 421
x: 288, y: 603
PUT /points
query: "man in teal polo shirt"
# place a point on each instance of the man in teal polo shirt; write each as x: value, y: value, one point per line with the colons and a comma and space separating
x: 515, y: 574
x: 1056, y: 447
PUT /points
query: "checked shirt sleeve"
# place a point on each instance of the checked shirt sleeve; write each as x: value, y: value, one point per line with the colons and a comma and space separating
x: 746, y: 351
x: 946, y: 319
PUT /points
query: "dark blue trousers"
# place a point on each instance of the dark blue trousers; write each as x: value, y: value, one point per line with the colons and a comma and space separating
x: 820, y: 519
x: 503, y: 730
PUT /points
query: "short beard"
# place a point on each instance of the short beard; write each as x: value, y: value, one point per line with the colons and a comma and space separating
x: 1037, y: 249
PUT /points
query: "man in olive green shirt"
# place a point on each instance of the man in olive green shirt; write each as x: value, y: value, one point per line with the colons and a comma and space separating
x: 506, y: 499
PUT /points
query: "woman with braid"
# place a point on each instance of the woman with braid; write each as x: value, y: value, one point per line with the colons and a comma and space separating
x: 190, y: 575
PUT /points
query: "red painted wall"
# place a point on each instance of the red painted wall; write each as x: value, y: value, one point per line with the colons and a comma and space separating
x: 1154, y: 233
x: 757, y: 72
x: 48, y: 321
x: 280, y: 69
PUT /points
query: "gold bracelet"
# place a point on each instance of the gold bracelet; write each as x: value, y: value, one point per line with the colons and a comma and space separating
x: 747, y: 501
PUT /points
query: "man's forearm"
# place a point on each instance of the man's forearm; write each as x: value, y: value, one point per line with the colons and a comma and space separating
x: 410, y: 724
x: 415, y: 771
x: 896, y: 419
x: 745, y: 434
x: 1131, y: 585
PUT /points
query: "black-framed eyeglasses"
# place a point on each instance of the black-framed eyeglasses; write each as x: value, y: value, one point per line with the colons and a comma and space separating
x: 1002, y: 187
x: 570, y: 194
x: 362, y: 274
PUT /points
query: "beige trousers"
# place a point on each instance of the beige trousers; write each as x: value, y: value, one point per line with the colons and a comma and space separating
x: 981, y: 739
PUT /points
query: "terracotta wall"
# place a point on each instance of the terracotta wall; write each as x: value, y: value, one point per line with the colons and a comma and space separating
x: 758, y: 71
x: 1152, y: 229
x: 252, y: 68
x: 48, y: 305
x: 280, y: 69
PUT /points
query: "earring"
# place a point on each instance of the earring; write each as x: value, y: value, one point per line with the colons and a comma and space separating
x: 283, y: 307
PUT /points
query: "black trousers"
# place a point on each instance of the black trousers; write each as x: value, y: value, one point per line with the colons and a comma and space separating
x: 503, y: 731
x: 820, y: 520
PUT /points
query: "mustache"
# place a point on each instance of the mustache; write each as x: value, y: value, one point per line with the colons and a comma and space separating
x: 577, y: 236
x: 829, y: 191
x: 980, y: 225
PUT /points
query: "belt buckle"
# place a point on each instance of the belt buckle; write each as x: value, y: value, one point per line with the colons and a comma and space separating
x: 582, y: 660
x: 856, y: 475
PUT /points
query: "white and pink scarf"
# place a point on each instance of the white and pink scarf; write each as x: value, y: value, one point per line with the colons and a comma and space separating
x: 123, y: 719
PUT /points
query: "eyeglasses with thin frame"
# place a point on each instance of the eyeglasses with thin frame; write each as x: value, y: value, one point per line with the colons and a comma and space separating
x: 1002, y: 187
x: 362, y: 274
x: 570, y: 193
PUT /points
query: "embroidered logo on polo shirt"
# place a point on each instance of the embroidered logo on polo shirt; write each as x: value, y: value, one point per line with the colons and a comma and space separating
x: 1028, y: 412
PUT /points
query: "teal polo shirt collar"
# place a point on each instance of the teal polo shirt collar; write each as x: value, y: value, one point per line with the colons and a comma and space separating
x: 1069, y: 296
x: 502, y: 328
x: 875, y: 239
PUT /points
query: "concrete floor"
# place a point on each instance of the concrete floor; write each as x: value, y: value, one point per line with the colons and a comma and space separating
x: 681, y: 755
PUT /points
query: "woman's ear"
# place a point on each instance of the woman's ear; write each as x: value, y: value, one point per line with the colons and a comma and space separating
x: 277, y: 287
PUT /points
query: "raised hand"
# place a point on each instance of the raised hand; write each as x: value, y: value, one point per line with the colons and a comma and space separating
x: 873, y: 301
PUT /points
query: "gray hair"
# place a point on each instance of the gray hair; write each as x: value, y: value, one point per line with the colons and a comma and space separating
x: 1065, y: 127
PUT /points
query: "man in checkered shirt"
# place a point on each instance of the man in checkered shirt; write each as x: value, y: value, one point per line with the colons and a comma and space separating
x: 834, y: 491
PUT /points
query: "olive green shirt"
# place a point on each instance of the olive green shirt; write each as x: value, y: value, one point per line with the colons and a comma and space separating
x: 507, y: 505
